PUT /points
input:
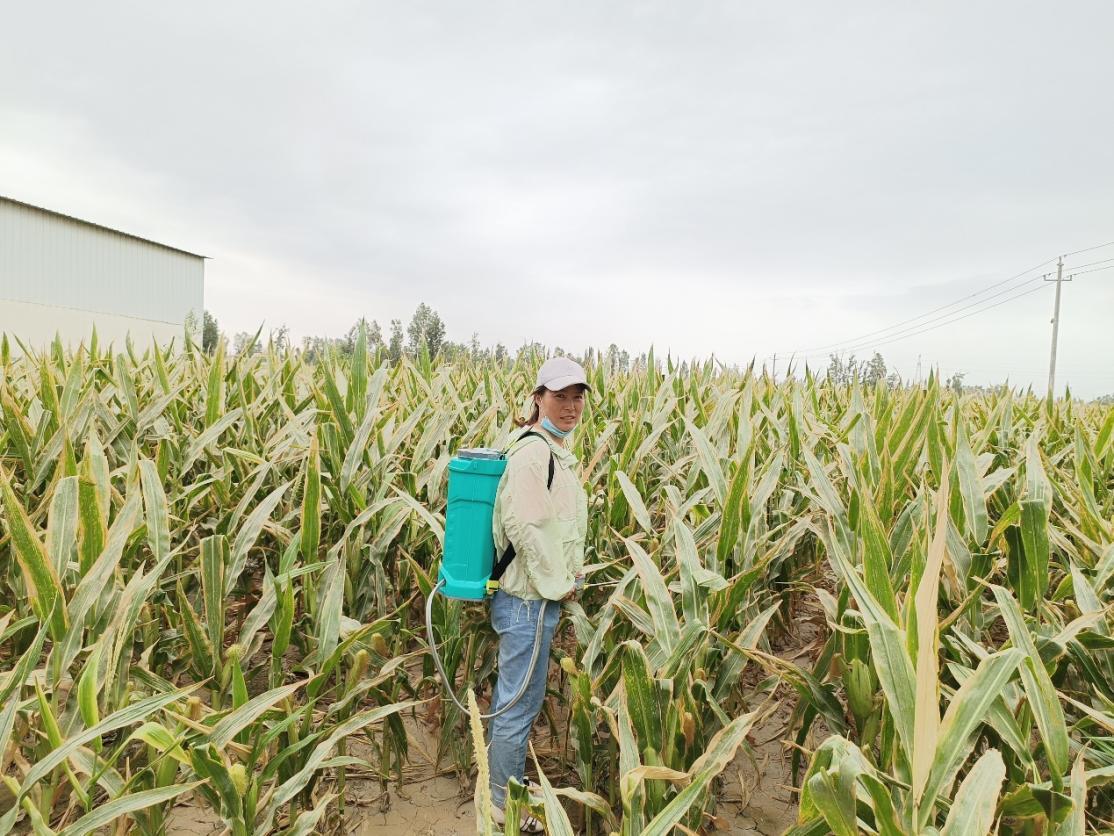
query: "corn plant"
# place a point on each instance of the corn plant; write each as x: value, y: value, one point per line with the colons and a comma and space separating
x: 213, y: 569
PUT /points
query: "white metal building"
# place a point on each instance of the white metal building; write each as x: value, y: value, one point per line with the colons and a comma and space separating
x: 61, y: 275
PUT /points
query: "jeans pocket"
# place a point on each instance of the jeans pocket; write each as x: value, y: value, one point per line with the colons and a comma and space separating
x: 502, y: 611
x: 524, y: 611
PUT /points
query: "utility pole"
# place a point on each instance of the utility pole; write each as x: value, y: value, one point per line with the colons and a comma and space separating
x: 1055, y: 325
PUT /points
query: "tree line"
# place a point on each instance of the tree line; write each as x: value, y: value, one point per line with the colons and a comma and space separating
x: 426, y: 334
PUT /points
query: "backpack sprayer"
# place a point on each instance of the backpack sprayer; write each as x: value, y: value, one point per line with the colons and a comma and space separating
x: 469, y: 570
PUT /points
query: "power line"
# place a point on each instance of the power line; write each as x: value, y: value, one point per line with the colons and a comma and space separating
x: 958, y: 301
x: 1092, y: 270
x: 1090, y: 263
x: 921, y: 327
x: 998, y: 371
x: 900, y: 331
x: 1088, y: 249
x: 926, y: 327
x: 924, y: 330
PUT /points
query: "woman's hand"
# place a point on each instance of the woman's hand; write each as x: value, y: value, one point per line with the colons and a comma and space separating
x: 578, y: 584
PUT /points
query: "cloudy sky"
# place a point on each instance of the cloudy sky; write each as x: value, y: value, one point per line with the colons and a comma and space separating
x: 728, y: 178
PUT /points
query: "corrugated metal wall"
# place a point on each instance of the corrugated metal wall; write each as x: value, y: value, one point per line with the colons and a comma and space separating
x: 46, y: 259
x: 36, y: 326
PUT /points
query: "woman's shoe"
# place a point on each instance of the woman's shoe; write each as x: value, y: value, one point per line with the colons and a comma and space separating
x: 529, y: 824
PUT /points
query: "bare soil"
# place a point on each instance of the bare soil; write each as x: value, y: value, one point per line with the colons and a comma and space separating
x: 757, y: 797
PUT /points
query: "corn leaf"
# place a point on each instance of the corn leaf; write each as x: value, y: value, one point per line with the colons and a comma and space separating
x: 718, y: 753
x: 39, y: 575
x: 972, y: 812
x: 1039, y: 690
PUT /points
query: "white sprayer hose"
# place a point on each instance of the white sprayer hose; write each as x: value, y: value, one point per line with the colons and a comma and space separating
x: 441, y: 669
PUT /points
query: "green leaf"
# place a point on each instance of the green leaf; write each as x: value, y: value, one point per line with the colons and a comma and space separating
x: 887, y: 646
x: 61, y: 529
x: 297, y: 782
x: 972, y: 812
x: 133, y: 713
x: 630, y: 790
x: 556, y: 819
x: 825, y: 490
x: 970, y: 486
x: 1076, y: 822
x: 43, y: 585
x: 202, y: 653
x: 22, y: 670
x: 1034, y: 540
x: 835, y: 801
x: 927, y: 712
x: 709, y: 462
x: 214, y: 395
x: 249, y: 533
x: 641, y: 692
x: 634, y: 499
x: 876, y: 560
x: 329, y: 608
x: 886, y: 820
x: 93, y: 494
x: 209, y: 435
x: 354, y: 457
x: 103, y: 569
x: 736, y: 513
x: 717, y: 755
x: 214, y: 559
x: 966, y: 711
x: 236, y: 721
x: 311, y: 503
x: 38, y: 824
x: 307, y: 821
x: 659, y: 602
x: 1039, y: 690
x: 155, y: 508
x: 17, y: 429
x: 1035, y: 510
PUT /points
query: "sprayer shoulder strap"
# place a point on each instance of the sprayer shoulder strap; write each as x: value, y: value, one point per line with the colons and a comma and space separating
x: 509, y: 554
x: 552, y: 460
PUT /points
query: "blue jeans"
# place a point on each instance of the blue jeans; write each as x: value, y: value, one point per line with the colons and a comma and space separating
x: 516, y: 621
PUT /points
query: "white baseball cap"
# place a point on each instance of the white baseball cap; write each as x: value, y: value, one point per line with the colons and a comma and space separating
x: 558, y: 372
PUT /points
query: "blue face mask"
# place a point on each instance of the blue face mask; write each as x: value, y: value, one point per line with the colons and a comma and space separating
x: 550, y: 428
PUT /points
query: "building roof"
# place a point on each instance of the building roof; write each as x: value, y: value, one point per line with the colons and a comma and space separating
x: 98, y: 226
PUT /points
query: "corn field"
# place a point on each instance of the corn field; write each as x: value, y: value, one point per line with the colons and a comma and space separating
x: 213, y: 570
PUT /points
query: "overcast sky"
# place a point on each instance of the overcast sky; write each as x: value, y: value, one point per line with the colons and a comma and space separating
x: 736, y: 178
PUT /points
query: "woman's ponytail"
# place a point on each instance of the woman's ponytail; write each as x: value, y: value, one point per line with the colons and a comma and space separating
x: 536, y: 414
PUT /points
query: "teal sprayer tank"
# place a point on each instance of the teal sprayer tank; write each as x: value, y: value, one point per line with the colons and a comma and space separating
x: 469, y: 546
x: 469, y: 554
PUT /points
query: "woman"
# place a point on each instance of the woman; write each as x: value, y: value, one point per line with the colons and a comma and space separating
x: 546, y: 520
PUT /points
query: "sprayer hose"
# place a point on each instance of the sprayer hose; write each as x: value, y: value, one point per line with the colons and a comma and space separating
x: 441, y: 668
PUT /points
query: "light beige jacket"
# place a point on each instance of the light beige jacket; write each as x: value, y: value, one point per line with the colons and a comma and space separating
x: 548, y: 527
